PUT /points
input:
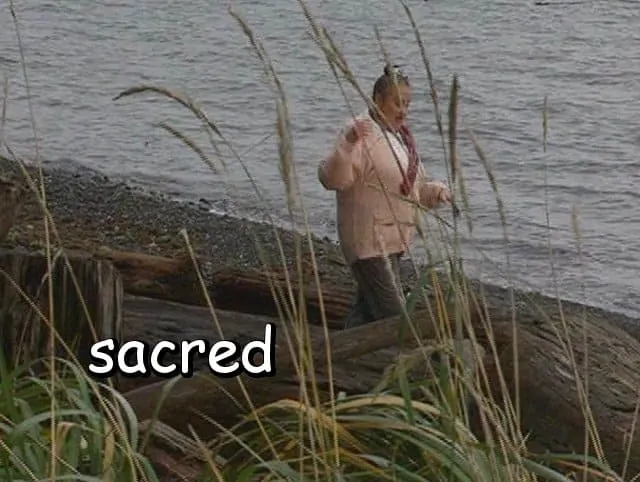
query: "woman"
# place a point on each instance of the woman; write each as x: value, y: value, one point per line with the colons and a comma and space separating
x: 375, y: 170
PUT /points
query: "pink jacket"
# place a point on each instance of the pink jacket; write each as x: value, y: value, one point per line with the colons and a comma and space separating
x: 374, y: 218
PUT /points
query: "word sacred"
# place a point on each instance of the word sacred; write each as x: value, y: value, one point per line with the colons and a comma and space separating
x: 226, y: 359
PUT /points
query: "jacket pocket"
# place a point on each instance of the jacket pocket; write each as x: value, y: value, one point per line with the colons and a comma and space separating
x: 391, y: 236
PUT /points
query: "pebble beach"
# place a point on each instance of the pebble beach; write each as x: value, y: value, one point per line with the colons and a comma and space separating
x: 91, y: 211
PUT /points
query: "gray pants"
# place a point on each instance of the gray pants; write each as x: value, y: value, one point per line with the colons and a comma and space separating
x: 379, y: 290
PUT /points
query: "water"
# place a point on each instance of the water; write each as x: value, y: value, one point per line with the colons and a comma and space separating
x: 585, y: 56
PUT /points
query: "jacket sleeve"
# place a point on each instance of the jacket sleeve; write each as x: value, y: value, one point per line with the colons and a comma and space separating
x: 341, y: 168
x: 429, y: 191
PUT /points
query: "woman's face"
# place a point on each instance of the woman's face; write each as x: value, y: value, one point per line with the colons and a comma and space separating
x: 395, y: 105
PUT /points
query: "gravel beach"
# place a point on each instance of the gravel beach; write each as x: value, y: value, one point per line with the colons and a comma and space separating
x: 91, y: 211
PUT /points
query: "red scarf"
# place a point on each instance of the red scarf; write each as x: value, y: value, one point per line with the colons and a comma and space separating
x: 414, y: 160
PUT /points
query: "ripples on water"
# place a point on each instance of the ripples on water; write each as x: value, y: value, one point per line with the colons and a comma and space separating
x: 509, y: 55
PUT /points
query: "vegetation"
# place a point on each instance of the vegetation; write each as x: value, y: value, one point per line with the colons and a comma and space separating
x: 67, y: 427
x: 64, y: 426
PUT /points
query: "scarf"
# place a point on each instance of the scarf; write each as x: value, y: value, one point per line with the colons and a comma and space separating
x: 414, y: 160
x: 406, y: 136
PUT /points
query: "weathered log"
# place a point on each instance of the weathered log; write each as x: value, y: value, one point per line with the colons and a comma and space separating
x: 232, y: 287
x: 172, y: 279
x: 228, y: 288
x: 207, y: 394
x: 170, y: 468
x: 27, y: 311
x: 606, y: 364
x: 152, y: 320
x: 11, y: 196
x: 223, y: 401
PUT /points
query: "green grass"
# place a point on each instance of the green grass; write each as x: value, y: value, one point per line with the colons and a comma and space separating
x: 64, y: 426
x: 97, y: 437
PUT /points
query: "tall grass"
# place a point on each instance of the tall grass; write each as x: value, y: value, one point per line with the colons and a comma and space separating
x: 409, y: 428
x: 93, y: 441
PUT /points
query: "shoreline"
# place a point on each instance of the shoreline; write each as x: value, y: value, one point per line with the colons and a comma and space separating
x: 91, y: 211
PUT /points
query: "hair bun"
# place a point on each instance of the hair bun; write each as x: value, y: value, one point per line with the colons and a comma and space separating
x: 390, y: 70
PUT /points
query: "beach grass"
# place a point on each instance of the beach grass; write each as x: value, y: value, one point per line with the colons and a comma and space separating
x: 65, y: 426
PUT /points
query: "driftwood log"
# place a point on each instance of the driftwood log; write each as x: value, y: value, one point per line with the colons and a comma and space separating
x: 567, y: 367
x: 174, y: 279
x: 25, y: 306
x: 229, y: 288
x: 153, y: 320
x: 358, y: 360
x: 232, y: 287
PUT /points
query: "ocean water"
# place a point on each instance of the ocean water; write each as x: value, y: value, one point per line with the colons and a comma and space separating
x: 508, y: 55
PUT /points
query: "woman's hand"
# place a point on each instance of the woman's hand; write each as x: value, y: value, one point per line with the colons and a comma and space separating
x: 445, y: 195
x: 360, y: 129
x: 340, y: 170
x: 434, y: 193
